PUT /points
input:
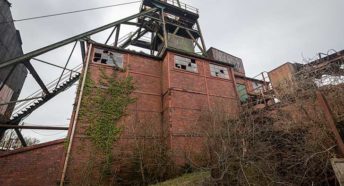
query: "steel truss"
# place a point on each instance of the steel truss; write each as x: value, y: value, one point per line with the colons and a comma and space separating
x: 152, y: 21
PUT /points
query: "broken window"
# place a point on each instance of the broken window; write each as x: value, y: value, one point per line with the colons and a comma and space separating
x: 108, y: 58
x: 218, y: 71
x: 185, y: 64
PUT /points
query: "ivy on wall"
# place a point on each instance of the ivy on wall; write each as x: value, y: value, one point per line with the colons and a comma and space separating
x: 103, y: 104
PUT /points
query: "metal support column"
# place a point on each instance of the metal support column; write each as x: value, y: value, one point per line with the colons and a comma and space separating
x: 330, y: 121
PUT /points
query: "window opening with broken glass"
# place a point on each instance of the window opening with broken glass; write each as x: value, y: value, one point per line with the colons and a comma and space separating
x: 185, y: 64
x: 218, y: 71
x: 108, y: 58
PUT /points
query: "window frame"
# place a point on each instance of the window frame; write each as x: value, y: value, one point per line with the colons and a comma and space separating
x: 226, y: 72
x: 192, y: 60
x: 108, y: 52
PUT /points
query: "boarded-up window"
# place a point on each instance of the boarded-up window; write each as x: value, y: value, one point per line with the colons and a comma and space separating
x: 218, y: 71
x: 108, y: 58
x: 185, y: 64
x: 242, y: 93
x: 5, y: 96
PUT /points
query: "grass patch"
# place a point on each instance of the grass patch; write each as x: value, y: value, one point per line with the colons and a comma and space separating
x: 196, y: 178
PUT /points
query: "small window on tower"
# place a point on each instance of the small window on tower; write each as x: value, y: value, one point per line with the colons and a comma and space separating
x: 218, y: 71
x: 186, y: 64
x: 108, y: 58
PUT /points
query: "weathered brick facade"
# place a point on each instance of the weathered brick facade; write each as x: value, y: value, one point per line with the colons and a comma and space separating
x: 171, y: 100
x: 32, y: 166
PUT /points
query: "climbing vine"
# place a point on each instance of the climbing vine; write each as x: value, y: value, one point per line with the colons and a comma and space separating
x: 103, y: 104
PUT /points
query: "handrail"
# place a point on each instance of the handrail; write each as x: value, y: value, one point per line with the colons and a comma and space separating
x: 51, y: 86
x: 182, y: 5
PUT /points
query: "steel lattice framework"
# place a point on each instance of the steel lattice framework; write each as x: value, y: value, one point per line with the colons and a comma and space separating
x: 157, y: 20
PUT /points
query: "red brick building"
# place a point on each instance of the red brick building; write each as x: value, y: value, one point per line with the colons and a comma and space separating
x: 173, y: 91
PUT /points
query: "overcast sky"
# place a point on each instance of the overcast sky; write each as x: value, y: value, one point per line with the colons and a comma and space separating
x: 264, y: 33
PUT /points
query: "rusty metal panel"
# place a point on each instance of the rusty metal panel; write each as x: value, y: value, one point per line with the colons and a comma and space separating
x: 219, y: 55
x: 181, y: 43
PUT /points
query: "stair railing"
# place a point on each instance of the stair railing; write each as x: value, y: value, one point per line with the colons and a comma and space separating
x: 50, y: 86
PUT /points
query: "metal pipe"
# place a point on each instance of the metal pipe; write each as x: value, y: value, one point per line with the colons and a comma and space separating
x: 76, y: 117
x: 38, y: 52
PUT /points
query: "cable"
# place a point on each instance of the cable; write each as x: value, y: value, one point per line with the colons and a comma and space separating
x: 71, y: 12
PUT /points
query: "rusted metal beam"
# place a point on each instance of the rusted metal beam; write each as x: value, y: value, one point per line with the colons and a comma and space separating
x: 330, y: 121
x: 46, y: 62
x: 128, y: 41
x: 117, y: 35
x: 32, y: 127
x: 21, y: 138
x: 83, y: 50
x: 113, y: 30
x: 202, y: 39
x: 68, y: 60
x: 36, y: 76
x: 194, y: 40
x: 162, y: 14
x: 82, y: 36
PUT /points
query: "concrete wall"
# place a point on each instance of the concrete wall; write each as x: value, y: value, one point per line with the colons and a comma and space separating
x: 10, y: 47
x: 32, y: 166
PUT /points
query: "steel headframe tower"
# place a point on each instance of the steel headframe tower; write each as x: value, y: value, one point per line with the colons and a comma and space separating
x: 172, y: 25
x: 168, y: 24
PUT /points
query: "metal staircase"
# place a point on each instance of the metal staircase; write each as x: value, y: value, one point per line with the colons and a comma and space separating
x: 24, y: 109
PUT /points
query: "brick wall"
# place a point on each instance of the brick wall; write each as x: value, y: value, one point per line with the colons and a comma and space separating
x: 32, y: 166
x: 190, y: 95
x: 169, y: 101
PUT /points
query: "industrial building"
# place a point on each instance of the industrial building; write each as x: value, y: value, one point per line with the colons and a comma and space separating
x: 177, y: 80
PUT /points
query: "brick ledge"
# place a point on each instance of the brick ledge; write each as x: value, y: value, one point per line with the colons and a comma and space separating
x: 34, y: 147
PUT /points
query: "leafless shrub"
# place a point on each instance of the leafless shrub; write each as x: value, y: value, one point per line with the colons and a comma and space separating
x: 287, y: 143
x: 149, y: 160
